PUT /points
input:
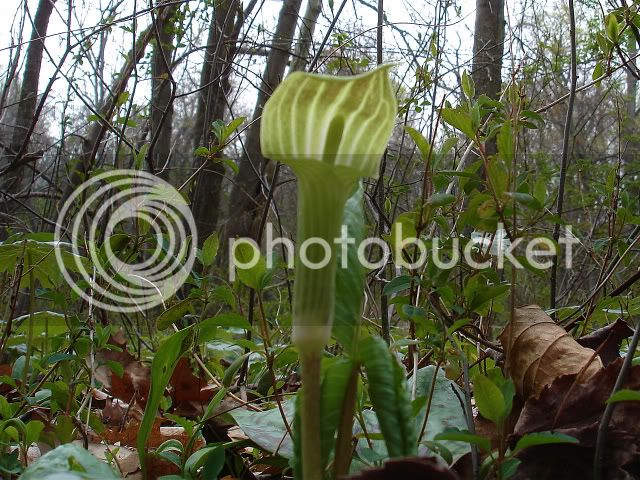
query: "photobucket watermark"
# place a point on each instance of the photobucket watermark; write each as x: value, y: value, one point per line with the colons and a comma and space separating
x: 100, y: 253
x: 480, y: 251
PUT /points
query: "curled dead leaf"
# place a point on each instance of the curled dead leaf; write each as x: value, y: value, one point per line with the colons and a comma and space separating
x: 539, y: 351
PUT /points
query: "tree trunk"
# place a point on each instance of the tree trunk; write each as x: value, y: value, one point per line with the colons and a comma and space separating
x: 630, y: 138
x: 214, y: 81
x: 29, y: 89
x: 94, y: 137
x: 488, y: 48
x: 246, y: 190
x: 305, y: 37
x: 162, y: 88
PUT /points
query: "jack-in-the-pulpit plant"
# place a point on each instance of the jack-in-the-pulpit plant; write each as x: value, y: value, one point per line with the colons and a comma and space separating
x: 331, y: 131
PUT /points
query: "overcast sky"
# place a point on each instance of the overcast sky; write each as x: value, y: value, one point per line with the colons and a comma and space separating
x: 86, y: 14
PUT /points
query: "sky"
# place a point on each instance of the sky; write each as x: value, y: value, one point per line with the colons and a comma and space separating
x: 86, y: 15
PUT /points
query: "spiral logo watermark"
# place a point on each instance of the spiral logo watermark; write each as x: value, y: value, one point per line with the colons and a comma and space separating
x: 139, y: 235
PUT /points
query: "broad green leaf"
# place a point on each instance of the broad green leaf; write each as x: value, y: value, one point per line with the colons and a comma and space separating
x: 459, y: 119
x: 233, y: 125
x: 505, y: 142
x: 509, y: 467
x: 42, y: 259
x: 122, y: 98
x: 398, y: 284
x: 534, y: 116
x: 441, y: 199
x: 52, y: 322
x: 222, y: 131
x: 480, y: 296
x: 213, y: 404
x: 70, y: 462
x: 250, y: 265
x: 613, y: 27
x: 228, y: 320
x: 505, y: 385
x: 232, y: 369
x: 456, y: 435
x: 468, y: 85
x: 350, y: 281
x: 210, y: 249
x: 498, y: 176
x: 162, y: 367
x: 334, y: 385
x: 211, y: 456
x: 624, y: 395
x: 266, y: 429
x: 526, y: 200
x: 445, y: 413
x: 598, y: 71
x: 172, y: 314
x: 542, y: 438
x: 390, y: 398
x: 32, y: 431
x: 489, y: 399
x: 201, y: 152
x: 141, y: 155
x: 421, y: 142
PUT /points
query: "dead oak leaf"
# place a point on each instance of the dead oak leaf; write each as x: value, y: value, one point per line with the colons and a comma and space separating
x: 539, y: 351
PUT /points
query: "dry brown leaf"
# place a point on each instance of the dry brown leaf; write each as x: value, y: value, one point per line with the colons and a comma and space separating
x: 5, y: 370
x: 135, y: 379
x: 408, y: 468
x: 541, y: 351
x: 607, y: 340
x: 576, y: 409
x: 190, y: 394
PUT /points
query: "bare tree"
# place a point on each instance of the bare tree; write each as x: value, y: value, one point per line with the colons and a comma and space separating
x: 631, y: 146
x: 488, y: 49
x: 163, y: 87
x: 305, y: 37
x: 91, y: 142
x: 29, y: 92
x: 224, y: 29
x: 246, y: 190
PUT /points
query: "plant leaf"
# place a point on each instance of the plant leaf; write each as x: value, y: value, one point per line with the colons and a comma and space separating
x: 544, y: 352
x: 456, y: 435
x: 542, y: 438
x: 625, y: 395
x: 489, y: 399
x: 172, y: 314
x: 164, y: 362
x: 210, y: 249
x: 69, y: 461
x: 350, y: 281
x: 388, y: 391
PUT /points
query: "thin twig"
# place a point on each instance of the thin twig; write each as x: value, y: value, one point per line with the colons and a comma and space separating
x: 565, y: 148
x: 608, y: 411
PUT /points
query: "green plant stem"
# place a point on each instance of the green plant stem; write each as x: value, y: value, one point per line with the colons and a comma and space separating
x: 27, y: 358
x: 344, y: 446
x: 323, y: 191
x: 310, y: 415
